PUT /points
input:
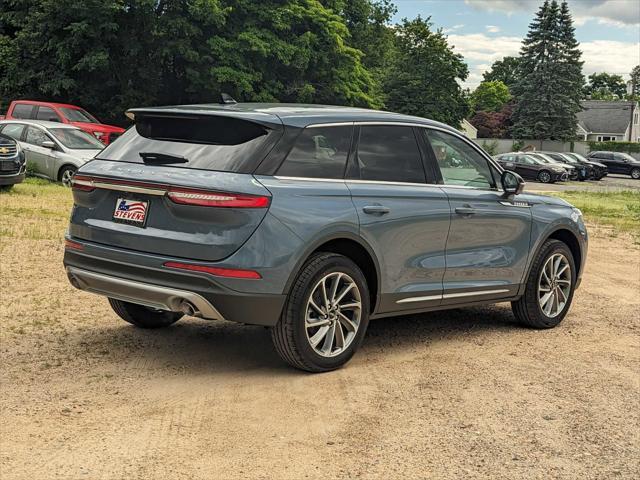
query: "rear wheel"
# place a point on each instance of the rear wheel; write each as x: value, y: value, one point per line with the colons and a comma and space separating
x: 65, y: 175
x: 544, y: 177
x: 549, y: 289
x: 143, y: 317
x: 326, y: 315
x: 635, y: 173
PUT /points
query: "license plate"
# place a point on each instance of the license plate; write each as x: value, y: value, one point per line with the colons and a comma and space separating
x: 133, y: 212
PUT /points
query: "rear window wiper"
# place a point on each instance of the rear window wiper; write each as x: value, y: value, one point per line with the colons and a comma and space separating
x: 161, y: 158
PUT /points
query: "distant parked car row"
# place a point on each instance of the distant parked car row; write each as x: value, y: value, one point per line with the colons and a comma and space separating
x: 551, y: 167
x: 618, y: 162
x: 54, y: 150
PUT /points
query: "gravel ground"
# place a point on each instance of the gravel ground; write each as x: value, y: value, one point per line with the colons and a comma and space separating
x: 458, y: 394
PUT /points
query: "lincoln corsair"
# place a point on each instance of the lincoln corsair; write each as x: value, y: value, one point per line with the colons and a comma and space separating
x: 312, y: 220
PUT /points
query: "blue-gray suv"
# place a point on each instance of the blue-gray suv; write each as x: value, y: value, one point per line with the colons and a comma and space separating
x: 312, y: 220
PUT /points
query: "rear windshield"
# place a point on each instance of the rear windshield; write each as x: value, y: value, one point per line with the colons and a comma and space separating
x: 205, y: 143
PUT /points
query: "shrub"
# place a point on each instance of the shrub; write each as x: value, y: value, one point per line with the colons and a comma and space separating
x: 628, y: 147
x: 491, y: 148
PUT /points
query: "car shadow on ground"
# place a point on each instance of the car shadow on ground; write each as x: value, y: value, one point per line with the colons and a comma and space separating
x: 194, y: 346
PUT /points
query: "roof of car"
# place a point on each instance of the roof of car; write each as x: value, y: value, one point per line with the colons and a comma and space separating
x: 40, y: 123
x: 293, y: 114
x: 48, y: 104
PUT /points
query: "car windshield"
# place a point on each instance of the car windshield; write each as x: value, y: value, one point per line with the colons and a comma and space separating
x: 577, y: 156
x: 76, y: 139
x: 78, y: 115
x: 542, y: 159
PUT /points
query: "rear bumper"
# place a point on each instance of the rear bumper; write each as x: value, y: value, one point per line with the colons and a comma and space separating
x: 194, y: 294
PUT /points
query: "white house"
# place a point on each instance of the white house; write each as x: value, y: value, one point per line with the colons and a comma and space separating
x: 603, y: 121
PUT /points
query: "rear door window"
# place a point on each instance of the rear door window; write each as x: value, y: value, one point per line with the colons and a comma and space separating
x: 35, y: 136
x: 48, y: 114
x: 460, y: 164
x: 206, y: 142
x: 21, y: 110
x: 389, y: 153
x: 319, y: 152
x: 13, y: 130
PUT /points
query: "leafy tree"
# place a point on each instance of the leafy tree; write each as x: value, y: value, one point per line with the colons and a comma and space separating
x: 110, y: 55
x: 505, y: 71
x: 494, y: 124
x: 490, y: 96
x: 635, y: 83
x: 603, y: 86
x: 548, y: 94
x: 423, y: 76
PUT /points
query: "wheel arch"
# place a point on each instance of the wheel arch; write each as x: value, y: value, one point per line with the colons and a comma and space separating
x: 352, y: 247
x: 65, y: 164
x: 567, y: 237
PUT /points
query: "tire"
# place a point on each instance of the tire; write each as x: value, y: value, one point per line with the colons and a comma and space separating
x: 5, y: 188
x: 291, y: 337
x: 544, y: 177
x: 528, y: 310
x: 143, y: 317
x: 65, y: 175
x: 635, y: 173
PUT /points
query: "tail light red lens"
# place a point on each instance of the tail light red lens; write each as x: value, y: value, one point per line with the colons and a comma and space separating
x: 73, y: 245
x: 82, y: 183
x: 219, y: 272
x: 216, y: 199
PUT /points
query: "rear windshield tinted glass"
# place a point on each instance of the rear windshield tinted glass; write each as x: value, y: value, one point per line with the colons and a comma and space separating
x: 319, y: 152
x: 205, y: 143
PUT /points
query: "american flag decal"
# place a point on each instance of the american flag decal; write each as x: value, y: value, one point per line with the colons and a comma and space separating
x: 133, y: 211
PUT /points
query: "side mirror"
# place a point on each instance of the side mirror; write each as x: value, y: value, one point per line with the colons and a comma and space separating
x: 512, y: 183
x: 48, y: 144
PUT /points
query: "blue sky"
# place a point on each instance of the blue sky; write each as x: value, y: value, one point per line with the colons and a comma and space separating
x: 486, y: 30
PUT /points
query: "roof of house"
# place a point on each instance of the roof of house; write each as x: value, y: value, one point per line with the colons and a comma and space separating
x: 600, y: 116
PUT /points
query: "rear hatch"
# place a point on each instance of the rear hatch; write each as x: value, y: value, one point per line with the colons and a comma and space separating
x: 177, y: 184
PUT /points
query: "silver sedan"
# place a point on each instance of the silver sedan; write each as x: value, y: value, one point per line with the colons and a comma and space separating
x: 53, y: 150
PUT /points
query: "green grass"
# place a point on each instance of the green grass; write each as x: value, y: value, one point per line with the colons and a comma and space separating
x: 621, y: 210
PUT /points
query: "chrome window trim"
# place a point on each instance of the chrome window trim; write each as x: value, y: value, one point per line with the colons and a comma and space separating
x: 446, y: 296
x: 376, y: 182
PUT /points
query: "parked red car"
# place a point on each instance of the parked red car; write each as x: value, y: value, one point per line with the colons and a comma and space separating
x: 64, y: 113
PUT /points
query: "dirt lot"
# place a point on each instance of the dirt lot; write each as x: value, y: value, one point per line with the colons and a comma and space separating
x: 460, y: 394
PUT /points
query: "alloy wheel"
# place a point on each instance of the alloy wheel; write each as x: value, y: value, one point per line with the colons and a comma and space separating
x: 554, y: 285
x: 66, y: 177
x: 333, y: 314
x: 635, y: 173
x: 545, y: 177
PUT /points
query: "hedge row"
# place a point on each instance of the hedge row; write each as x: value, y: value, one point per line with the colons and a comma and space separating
x: 629, y: 147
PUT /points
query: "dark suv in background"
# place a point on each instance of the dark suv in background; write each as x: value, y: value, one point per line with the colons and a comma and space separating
x: 12, y: 162
x: 618, y: 162
x: 311, y: 220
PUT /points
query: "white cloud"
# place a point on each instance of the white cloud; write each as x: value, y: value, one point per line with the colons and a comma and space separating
x: 492, y: 28
x: 607, y: 12
x: 480, y: 51
x: 453, y: 29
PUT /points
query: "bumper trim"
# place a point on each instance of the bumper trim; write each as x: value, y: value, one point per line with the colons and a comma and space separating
x: 153, y: 296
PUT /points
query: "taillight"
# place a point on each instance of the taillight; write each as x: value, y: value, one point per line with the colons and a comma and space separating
x: 73, y: 245
x: 216, y: 199
x: 219, y: 272
x: 82, y: 183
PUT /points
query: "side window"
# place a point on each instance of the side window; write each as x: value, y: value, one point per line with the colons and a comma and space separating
x: 619, y: 158
x: 35, y: 136
x: 20, y: 110
x: 389, y: 153
x: 319, y: 152
x: 46, y: 113
x: 606, y: 156
x: 460, y: 164
x: 13, y: 130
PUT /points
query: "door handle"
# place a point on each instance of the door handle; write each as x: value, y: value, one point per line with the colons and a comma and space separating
x: 376, y: 210
x: 465, y: 210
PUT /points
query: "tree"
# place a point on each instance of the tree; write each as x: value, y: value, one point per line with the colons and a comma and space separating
x: 603, y: 86
x: 548, y: 93
x: 494, y: 124
x: 490, y: 96
x: 505, y: 71
x: 110, y: 55
x: 635, y: 83
x: 423, y: 76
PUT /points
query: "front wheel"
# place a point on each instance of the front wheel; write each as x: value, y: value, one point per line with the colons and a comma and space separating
x: 326, y: 314
x: 544, y: 177
x: 66, y: 174
x: 635, y: 173
x: 143, y: 317
x: 549, y: 288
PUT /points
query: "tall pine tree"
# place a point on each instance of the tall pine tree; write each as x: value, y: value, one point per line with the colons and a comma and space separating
x: 548, y: 92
